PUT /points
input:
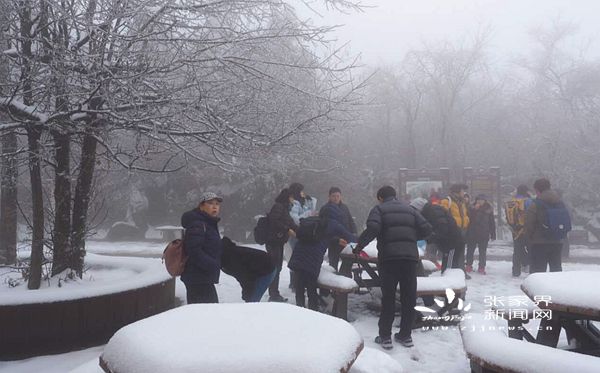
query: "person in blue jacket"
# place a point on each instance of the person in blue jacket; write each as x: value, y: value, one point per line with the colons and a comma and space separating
x: 202, y: 244
x: 308, y: 254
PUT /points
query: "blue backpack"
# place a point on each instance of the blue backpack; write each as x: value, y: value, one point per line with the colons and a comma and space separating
x: 557, y: 220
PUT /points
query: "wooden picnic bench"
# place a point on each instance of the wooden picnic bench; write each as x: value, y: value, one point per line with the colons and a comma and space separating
x: 490, y: 350
x: 340, y: 286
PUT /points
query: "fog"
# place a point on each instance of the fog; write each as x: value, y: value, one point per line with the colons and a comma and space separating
x: 243, y: 98
x: 387, y: 29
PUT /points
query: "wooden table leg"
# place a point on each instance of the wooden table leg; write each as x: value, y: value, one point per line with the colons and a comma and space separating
x: 346, y: 268
x: 340, y: 305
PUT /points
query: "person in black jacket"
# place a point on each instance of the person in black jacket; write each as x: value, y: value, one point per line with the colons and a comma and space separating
x: 397, y: 227
x: 202, y: 244
x: 307, y: 258
x: 336, y: 210
x: 481, y: 229
x: 252, y: 268
x: 282, y: 227
x: 446, y: 235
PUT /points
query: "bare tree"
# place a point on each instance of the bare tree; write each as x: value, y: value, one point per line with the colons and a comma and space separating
x: 207, y: 81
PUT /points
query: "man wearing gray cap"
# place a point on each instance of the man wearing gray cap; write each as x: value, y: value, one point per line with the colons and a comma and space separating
x: 202, y: 244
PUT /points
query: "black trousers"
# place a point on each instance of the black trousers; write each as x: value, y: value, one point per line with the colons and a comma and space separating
x: 457, y: 260
x: 520, y: 256
x: 276, y: 252
x: 392, y: 273
x: 471, y: 246
x: 306, y: 282
x: 546, y: 255
x: 201, y: 293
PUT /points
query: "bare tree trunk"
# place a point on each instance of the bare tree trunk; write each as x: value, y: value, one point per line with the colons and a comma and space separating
x: 9, y: 172
x: 62, y: 199
x: 82, y: 200
x: 37, y: 239
x: 412, y: 148
x: 34, y: 134
x: 8, y: 200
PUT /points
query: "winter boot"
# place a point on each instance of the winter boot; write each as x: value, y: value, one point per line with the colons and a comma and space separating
x: 469, y: 268
x: 278, y: 298
x: 386, y: 343
x: 406, y: 342
x: 481, y: 270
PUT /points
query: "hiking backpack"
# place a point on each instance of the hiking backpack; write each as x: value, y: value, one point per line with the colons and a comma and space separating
x: 515, y: 214
x: 174, y: 257
x: 557, y: 222
x: 261, y: 231
x: 311, y: 229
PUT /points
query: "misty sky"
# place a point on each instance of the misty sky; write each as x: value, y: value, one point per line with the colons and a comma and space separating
x: 386, y: 32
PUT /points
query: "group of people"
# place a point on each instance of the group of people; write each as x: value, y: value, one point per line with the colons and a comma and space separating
x: 458, y: 224
x: 291, y: 219
x: 295, y: 220
x: 449, y: 225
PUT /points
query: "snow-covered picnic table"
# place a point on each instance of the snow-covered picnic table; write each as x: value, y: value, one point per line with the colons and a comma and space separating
x: 251, y: 337
x: 573, y: 301
x: 364, y: 270
x: 367, y: 262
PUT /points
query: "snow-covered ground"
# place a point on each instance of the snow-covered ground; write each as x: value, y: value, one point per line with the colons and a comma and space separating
x: 435, y: 350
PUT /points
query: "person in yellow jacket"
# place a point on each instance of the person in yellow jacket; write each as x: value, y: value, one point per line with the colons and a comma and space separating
x: 458, y: 207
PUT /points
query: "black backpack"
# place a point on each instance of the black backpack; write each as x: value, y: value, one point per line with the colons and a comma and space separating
x: 311, y: 229
x: 262, y: 230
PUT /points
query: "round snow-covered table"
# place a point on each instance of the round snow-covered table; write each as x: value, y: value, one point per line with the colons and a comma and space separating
x: 573, y: 299
x: 251, y: 337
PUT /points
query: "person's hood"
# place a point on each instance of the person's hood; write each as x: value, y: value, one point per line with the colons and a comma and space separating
x: 550, y: 196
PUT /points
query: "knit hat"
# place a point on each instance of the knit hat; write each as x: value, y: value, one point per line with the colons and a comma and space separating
x: 209, y: 196
x: 418, y: 203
